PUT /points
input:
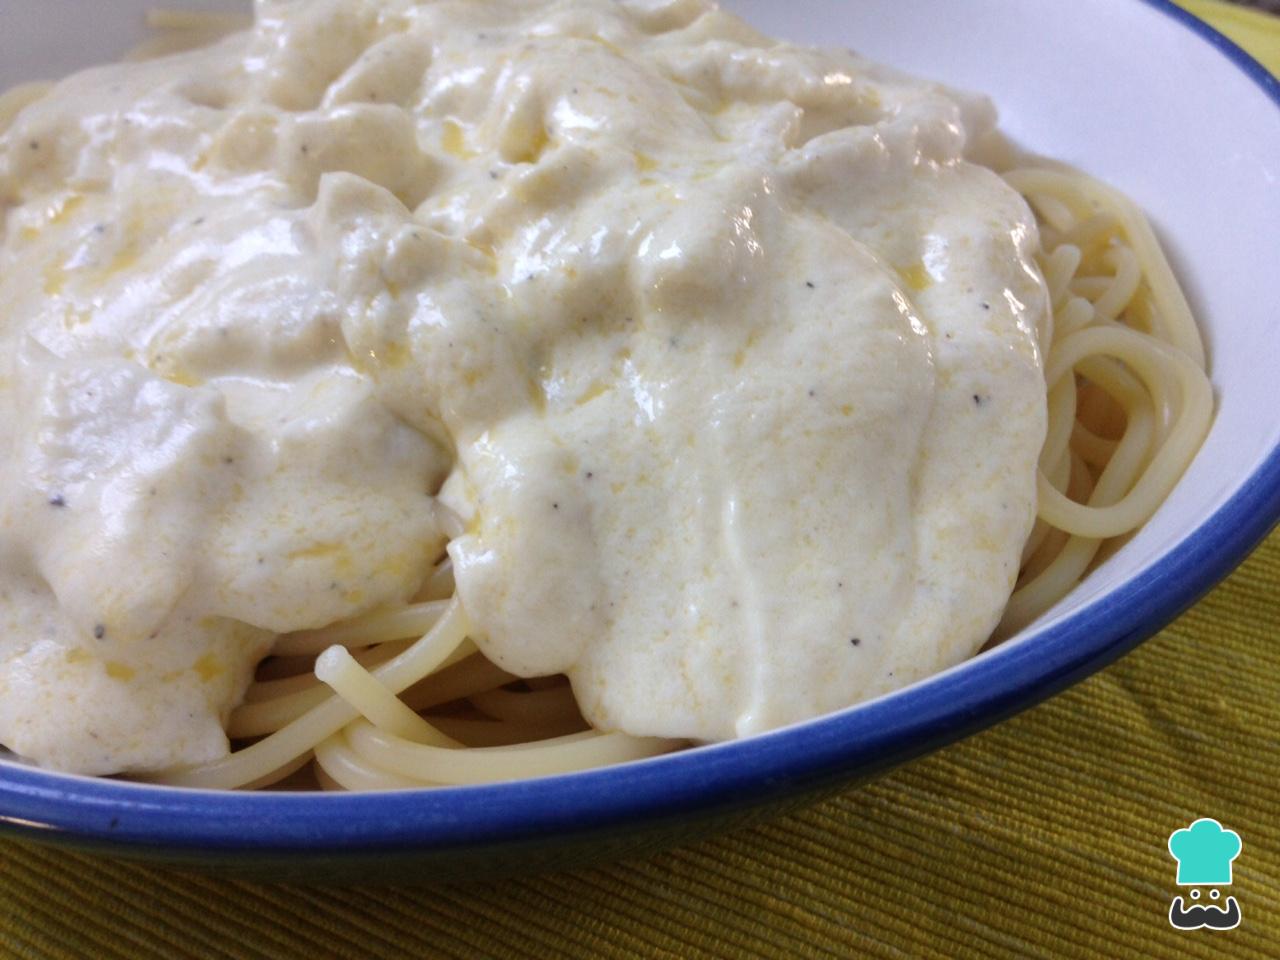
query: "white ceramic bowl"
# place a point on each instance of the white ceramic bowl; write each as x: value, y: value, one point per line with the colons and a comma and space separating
x: 1135, y: 92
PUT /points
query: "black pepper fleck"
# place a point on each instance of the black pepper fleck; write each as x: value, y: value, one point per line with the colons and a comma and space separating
x: 493, y: 174
x: 810, y: 284
x: 813, y: 393
x: 304, y: 148
x: 977, y: 399
x: 555, y: 506
x: 985, y: 305
x: 34, y: 144
x: 99, y: 631
x: 100, y: 228
x: 228, y: 460
x: 57, y: 500
x: 855, y: 641
x: 590, y: 474
x: 197, y: 221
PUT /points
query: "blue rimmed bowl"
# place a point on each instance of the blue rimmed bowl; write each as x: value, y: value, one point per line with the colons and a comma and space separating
x: 1136, y: 92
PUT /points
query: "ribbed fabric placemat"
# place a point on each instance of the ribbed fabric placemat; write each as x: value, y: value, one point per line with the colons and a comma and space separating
x: 1254, y: 30
x: 1044, y: 836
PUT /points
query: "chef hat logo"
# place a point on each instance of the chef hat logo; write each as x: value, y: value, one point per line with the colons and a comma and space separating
x: 1204, y: 852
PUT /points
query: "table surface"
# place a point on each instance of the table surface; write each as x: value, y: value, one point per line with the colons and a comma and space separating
x: 1043, y: 836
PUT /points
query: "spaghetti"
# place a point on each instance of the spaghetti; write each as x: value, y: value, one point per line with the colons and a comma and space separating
x: 1129, y: 399
x: 402, y: 697
x: 1129, y: 405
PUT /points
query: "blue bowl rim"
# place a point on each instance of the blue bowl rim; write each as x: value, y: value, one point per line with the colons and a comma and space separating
x: 129, y: 817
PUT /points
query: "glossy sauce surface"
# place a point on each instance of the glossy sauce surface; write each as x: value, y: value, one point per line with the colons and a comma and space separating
x: 721, y: 352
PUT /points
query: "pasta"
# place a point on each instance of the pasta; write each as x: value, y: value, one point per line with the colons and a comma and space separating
x: 1123, y: 337
x: 1129, y: 398
x: 467, y: 350
x: 364, y: 736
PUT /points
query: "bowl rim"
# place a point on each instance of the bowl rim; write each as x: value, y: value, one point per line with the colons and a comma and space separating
x: 136, y: 818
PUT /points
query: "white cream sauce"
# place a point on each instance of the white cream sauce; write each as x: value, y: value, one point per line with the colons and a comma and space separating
x: 727, y: 353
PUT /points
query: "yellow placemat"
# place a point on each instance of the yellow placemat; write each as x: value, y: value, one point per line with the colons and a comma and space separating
x: 1044, y: 836
x: 1252, y: 29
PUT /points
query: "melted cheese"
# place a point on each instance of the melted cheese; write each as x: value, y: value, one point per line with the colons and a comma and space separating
x: 721, y: 349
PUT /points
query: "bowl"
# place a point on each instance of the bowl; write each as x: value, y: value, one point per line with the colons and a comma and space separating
x: 1136, y: 92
